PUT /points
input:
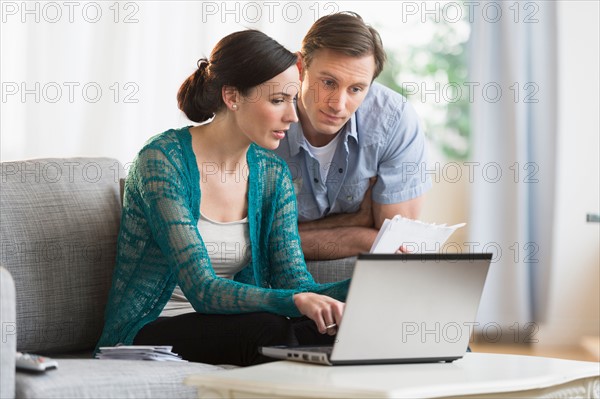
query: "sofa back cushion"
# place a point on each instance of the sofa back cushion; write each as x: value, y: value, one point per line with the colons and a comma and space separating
x: 60, y: 221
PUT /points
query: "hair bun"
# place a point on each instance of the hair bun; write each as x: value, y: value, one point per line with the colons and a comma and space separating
x: 193, y: 97
x: 202, y: 70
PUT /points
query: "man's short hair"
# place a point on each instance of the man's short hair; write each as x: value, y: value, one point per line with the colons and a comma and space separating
x: 347, y: 33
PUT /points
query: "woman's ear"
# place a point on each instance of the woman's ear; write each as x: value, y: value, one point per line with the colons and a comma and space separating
x: 231, y: 97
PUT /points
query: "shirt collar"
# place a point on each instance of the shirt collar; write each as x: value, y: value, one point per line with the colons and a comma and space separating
x: 296, y: 135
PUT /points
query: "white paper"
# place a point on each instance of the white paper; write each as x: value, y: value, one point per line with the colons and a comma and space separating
x: 414, y: 235
x: 139, y: 352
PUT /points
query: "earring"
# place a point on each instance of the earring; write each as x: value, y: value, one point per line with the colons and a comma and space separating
x: 234, y: 106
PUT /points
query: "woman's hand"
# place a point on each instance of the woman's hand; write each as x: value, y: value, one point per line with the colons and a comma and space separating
x: 323, y: 310
x: 403, y: 250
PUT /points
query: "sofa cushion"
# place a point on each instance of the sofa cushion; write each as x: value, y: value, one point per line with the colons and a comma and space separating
x: 328, y: 271
x: 60, y: 220
x: 90, y: 378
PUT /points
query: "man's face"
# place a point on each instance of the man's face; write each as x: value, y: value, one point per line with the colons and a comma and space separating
x: 333, y: 87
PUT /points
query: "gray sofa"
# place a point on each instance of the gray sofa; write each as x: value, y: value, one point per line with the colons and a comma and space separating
x: 58, y: 231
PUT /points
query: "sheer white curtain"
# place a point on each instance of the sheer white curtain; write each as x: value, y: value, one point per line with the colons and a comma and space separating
x: 100, y: 78
x: 514, y: 115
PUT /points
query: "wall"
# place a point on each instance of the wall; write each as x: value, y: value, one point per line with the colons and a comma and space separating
x: 574, y: 307
x: 448, y: 200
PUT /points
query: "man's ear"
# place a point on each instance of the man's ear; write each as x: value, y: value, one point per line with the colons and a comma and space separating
x: 300, y: 65
x: 231, y: 96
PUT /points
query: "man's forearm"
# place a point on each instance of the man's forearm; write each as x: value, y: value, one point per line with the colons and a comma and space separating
x: 363, y: 217
x: 337, y: 242
x: 333, y: 221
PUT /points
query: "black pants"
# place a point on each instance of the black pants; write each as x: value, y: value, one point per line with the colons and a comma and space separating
x: 229, y: 339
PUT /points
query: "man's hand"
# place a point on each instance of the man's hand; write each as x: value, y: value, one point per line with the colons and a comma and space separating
x: 323, y: 310
x: 343, y: 235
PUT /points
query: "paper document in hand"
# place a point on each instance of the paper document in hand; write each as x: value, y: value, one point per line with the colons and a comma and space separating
x: 414, y: 235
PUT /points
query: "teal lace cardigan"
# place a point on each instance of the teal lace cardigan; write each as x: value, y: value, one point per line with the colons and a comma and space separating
x: 160, y: 246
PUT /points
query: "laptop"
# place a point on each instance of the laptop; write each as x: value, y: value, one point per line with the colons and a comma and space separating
x: 403, y: 308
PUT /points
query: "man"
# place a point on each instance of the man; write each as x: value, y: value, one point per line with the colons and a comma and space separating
x: 356, y: 153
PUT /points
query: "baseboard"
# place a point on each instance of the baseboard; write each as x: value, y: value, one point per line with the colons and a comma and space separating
x: 526, y: 334
x: 567, y: 332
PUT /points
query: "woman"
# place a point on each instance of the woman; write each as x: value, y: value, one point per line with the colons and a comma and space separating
x: 192, y: 192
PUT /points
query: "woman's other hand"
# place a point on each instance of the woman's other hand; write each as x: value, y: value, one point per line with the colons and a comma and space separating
x: 403, y: 250
x: 326, y: 312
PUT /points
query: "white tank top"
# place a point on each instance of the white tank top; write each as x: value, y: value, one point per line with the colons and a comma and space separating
x: 228, y: 247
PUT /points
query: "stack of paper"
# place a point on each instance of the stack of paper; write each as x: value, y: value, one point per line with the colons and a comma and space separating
x: 414, y: 235
x: 139, y: 352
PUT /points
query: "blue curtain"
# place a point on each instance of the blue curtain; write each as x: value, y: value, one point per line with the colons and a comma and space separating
x: 513, y: 72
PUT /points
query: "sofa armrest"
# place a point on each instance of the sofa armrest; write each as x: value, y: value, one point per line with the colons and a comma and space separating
x: 8, y: 340
x: 328, y: 271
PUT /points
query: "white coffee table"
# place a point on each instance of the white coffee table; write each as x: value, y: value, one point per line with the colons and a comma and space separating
x: 477, y: 374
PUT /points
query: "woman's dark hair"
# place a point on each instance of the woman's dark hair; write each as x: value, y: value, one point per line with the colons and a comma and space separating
x: 243, y: 60
x: 347, y: 33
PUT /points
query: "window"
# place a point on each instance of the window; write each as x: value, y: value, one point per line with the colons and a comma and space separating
x: 426, y: 44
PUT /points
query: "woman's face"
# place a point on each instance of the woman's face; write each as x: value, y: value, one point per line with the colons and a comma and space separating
x: 264, y: 115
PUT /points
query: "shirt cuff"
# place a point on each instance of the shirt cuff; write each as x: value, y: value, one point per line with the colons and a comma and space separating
x: 402, y: 196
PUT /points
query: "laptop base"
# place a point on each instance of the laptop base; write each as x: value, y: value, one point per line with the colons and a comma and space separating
x: 300, y: 354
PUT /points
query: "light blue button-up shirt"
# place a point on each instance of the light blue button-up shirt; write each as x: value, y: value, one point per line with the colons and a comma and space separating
x: 383, y: 138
